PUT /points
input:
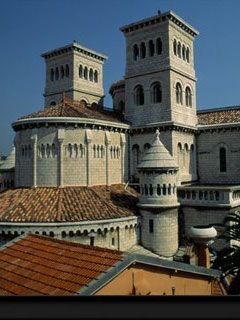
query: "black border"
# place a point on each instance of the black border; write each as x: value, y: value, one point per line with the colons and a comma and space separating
x: 121, y: 307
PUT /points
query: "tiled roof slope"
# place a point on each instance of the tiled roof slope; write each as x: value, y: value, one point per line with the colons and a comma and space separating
x: 38, y: 265
x: 218, y: 116
x: 76, y: 109
x: 70, y: 204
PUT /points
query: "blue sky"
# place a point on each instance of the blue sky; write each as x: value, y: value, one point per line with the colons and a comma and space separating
x: 30, y: 27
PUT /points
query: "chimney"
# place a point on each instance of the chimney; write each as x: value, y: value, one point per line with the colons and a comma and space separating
x: 202, y: 236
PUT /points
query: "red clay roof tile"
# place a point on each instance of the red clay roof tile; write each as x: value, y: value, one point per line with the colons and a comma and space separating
x: 70, y: 204
x: 37, y: 265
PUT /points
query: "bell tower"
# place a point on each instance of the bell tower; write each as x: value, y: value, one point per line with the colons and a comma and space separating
x: 160, y: 76
x: 75, y: 70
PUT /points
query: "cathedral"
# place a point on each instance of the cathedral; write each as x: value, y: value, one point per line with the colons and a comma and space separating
x: 139, y: 174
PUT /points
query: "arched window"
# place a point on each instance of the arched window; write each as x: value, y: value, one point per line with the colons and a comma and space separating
x: 75, y: 147
x: 80, y: 71
x: 62, y: 72
x: 151, y: 48
x: 188, y: 96
x: 175, y: 47
x: 52, y: 75
x: 42, y: 151
x: 146, y: 146
x: 142, y: 50
x: 135, y: 52
x: 183, y: 52
x: 53, y: 103
x: 192, y: 160
x: 223, y: 159
x: 156, y: 93
x: 139, y: 95
x: 84, y: 103
x: 159, y: 46
x: 95, y: 76
x: 91, y: 74
x: 57, y: 74
x: 67, y: 70
x: 179, y: 49
x: 48, y: 151
x: 70, y: 150
x: 179, y: 93
x: 188, y: 55
x: 85, y: 73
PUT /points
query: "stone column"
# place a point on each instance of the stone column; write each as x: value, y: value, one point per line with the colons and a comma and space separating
x: 60, y: 139
x: 88, y: 156
x: 34, y: 160
x: 123, y: 144
x: 107, y: 143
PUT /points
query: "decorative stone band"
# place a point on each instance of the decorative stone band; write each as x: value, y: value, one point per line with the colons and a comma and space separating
x: 68, y: 228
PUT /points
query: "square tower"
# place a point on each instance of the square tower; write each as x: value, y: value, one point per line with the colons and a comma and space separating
x: 75, y: 70
x: 160, y: 76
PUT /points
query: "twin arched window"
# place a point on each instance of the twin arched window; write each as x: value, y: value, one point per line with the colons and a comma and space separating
x: 156, y: 92
x: 83, y: 73
x: 139, y: 95
x: 179, y: 95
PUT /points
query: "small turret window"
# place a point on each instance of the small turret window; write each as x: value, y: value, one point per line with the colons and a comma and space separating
x: 151, y: 226
x: 151, y: 190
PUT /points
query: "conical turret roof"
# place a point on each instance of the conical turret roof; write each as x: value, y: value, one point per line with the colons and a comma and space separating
x: 9, y: 163
x: 157, y: 156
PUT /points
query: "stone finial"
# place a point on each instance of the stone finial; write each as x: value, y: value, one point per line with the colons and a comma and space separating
x: 157, y: 135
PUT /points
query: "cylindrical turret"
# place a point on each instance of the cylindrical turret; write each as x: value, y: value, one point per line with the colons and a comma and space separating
x: 158, y: 200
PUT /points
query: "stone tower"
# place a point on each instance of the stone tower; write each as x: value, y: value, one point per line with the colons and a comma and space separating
x: 160, y: 76
x: 75, y: 70
x: 158, y: 200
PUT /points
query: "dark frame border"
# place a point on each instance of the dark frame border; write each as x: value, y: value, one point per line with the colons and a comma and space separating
x: 116, y: 307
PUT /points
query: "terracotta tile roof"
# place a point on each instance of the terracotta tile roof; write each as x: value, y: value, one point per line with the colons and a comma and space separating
x: 70, y: 204
x: 38, y: 265
x: 76, y: 109
x: 217, y: 116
